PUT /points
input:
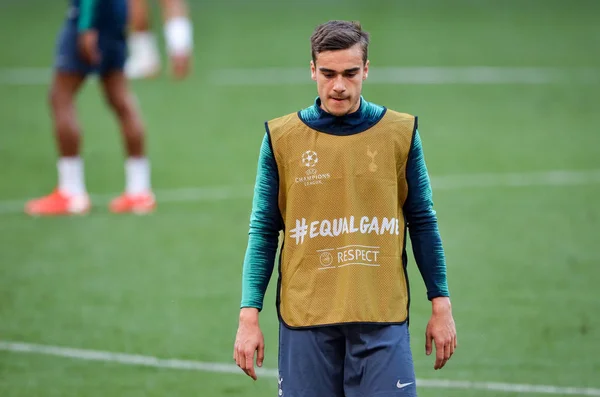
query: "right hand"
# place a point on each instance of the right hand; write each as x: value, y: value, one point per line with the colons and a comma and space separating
x: 88, y: 46
x: 249, y: 339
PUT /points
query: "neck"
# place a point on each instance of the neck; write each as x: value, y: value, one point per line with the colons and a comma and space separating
x: 366, y: 115
x: 352, y: 110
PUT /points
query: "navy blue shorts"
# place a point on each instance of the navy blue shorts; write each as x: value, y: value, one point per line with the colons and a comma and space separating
x: 354, y: 360
x: 113, y: 51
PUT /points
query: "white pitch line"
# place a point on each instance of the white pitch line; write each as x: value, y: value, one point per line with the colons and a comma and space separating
x: 25, y: 76
x: 448, y: 182
x: 414, y: 75
x: 377, y: 75
x: 126, y: 359
x: 516, y: 179
x: 191, y: 194
x: 151, y: 361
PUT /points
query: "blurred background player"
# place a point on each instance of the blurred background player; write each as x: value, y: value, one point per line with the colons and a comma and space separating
x: 144, y: 58
x: 93, y: 40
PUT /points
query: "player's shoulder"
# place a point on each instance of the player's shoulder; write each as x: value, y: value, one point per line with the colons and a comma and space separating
x: 376, y: 111
x: 407, y: 119
x: 285, y: 119
x: 283, y: 123
x: 399, y: 115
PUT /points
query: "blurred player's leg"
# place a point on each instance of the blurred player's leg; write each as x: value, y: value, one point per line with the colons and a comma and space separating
x: 178, y: 36
x: 144, y: 59
x: 70, y: 197
x: 138, y: 196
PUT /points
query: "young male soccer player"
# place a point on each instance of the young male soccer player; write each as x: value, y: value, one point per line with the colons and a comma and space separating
x: 144, y: 58
x: 93, y: 40
x: 343, y: 178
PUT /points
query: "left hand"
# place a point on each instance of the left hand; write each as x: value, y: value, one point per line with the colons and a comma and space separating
x: 88, y: 47
x: 442, y: 331
x: 248, y: 341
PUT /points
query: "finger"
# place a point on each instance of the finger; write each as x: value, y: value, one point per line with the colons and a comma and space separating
x: 455, y: 341
x: 89, y: 58
x: 261, y: 355
x: 447, y: 353
x: 95, y: 56
x: 442, y: 364
x: 249, y: 365
x: 251, y: 373
x: 428, y: 340
x: 238, y: 358
x: 439, y: 355
x: 241, y: 360
x: 83, y: 55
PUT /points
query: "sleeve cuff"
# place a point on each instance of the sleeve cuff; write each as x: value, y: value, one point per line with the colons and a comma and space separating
x: 251, y: 304
x: 437, y: 294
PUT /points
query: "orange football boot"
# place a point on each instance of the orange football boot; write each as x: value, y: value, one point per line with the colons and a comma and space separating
x: 59, y: 203
x: 129, y: 203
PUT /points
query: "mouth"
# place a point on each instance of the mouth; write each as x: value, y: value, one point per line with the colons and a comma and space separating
x: 338, y: 100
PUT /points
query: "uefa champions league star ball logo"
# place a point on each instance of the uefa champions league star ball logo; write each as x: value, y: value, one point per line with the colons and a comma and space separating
x: 309, y: 158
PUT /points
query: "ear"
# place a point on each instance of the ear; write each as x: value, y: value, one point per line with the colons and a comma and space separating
x: 313, y: 71
x: 366, y: 73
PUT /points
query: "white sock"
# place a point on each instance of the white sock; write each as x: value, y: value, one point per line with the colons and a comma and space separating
x: 179, y: 36
x: 70, y: 175
x: 137, y: 175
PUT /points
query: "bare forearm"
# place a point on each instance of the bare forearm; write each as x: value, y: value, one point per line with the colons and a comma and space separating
x: 249, y: 315
x: 441, y: 304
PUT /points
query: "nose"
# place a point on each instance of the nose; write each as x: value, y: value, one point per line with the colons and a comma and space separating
x: 338, y: 84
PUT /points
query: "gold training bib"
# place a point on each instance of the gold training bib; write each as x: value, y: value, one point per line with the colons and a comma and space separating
x: 341, y: 199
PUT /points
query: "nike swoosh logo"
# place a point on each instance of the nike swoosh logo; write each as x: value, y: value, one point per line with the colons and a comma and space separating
x: 403, y: 385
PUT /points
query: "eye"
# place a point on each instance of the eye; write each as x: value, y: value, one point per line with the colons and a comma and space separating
x: 328, y: 75
x: 350, y: 75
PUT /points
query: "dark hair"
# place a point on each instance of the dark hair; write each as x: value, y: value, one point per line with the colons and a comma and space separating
x: 338, y: 35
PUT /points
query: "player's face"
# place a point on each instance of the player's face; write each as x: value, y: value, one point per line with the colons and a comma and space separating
x: 339, y: 75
